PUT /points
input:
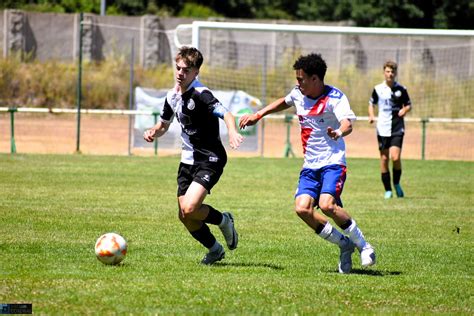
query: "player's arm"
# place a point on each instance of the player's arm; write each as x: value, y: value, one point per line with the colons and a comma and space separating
x: 404, y: 110
x: 156, y: 131
x: 235, y: 139
x: 371, y: 113
x: 222, y: 112
x: 406, y: 103
x: 372, y: 103
x: 343, y: 130
x: 252, y: 119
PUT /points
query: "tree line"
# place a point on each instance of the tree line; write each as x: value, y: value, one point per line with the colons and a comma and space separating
x: 438, y: 14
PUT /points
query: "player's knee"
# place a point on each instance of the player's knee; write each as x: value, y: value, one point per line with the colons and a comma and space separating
x: 303, y: 210
x: 327, y: 208
x: 186, y: 210
x: 395, y: 159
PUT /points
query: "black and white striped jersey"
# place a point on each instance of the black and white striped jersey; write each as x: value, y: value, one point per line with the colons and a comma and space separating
x: 198, y: 112
x: 390, y: 100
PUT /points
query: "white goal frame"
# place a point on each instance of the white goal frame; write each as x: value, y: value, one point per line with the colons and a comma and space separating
x: 198, y: 26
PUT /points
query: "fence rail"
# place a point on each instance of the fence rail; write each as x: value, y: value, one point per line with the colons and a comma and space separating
x: 287, y: 124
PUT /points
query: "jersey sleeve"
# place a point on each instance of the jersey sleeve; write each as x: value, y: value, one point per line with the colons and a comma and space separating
x: 405, y: 97
x: 214, y: 105
x: 342, y: 110
x: 374, y: 98
x: 290, y: 97
x: 167, y: 114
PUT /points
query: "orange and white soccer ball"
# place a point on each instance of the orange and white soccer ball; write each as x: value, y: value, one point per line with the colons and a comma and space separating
x: 111, y: 248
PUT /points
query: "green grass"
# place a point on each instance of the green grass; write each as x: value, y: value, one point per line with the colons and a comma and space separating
x: 53, y: 208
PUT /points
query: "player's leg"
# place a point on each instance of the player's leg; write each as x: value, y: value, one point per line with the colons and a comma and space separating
x: 396, y: 156
x: 333, y: 179
x: 384, y: 149
x: 350, y: 227
x: 306, y: 196
x: 208, y: 175
x: 193, y: 213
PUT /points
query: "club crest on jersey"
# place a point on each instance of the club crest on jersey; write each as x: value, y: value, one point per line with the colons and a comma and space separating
x: 191, y: 105
x: 206, y: 178
x: 335, y: 94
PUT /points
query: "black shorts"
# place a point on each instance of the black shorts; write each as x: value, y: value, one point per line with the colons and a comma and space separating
x: 391, y: 141
x: 205, y: 174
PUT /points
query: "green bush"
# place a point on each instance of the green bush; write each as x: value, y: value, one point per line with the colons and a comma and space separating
x: 53, y: 84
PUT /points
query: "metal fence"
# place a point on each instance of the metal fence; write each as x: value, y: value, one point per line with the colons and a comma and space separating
x: 110, y: 132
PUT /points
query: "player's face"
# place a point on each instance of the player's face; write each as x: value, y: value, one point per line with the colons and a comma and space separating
x: 389, y: 74
x: 308, y: 84
x: 184, y: 74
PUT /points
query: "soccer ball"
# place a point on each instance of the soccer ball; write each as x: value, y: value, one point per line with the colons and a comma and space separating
x: 111, y: 248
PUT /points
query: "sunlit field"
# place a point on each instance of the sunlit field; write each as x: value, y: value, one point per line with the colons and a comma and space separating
x: 54, y: 207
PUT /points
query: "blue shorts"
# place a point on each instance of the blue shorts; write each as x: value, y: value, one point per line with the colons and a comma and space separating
x: 329, y: 179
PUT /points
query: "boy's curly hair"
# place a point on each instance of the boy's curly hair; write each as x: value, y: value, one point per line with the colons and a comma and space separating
x: 312, y: 64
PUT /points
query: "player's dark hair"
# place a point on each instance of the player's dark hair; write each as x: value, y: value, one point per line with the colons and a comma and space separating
x: 312, y: 64
x: 191, y: 56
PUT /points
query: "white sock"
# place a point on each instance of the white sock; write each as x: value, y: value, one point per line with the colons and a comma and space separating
x: 331, y: 234
x: 356, y: 235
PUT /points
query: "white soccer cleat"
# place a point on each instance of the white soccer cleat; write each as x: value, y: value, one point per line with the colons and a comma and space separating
x: 367, y: 256
x: 345, y: 258
x: 228, y: 230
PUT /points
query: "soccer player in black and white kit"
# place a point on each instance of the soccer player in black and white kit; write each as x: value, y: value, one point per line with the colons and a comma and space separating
x: 393, y: 104
x: 203, y: 156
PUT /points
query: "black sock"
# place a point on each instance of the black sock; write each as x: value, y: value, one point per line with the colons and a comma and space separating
x: 386, y: 181
x: 319, y: 228
x: 214, y: 217
x: 346, y: 224
x: 396, y: 176
x: 204, y: 236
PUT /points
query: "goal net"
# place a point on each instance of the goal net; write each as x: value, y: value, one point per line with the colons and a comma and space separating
x: 437, y: 66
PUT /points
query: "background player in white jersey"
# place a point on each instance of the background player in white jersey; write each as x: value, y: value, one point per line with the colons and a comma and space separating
x: 203, y: 156
x: 393, y: 103
x: 325, y: 118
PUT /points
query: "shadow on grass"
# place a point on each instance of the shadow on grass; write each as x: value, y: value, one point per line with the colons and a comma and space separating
x: 372, y: 272
x: 247, y: 264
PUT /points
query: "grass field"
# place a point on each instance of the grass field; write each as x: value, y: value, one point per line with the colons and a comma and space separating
x: 53, y: 208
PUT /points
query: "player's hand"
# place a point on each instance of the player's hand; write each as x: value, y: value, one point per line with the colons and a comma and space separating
x: 402, y: 112
x: 149, y: 135
x: 235, y: 139
x: 334, y: 134
x: 371, y: 119
x: 248, y: 120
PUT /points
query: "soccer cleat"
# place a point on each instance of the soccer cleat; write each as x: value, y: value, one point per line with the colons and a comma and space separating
x: 367, y: 256
x: 388, y: 195
x: 345, y: 258
x: 213, y: 257
x: 228, y: 230
x: 399, y: 191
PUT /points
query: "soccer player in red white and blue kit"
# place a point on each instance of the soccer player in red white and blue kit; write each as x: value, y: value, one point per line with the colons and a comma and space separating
x: 203, y: 156
x: 325, y: 118
x: 393, y: 104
